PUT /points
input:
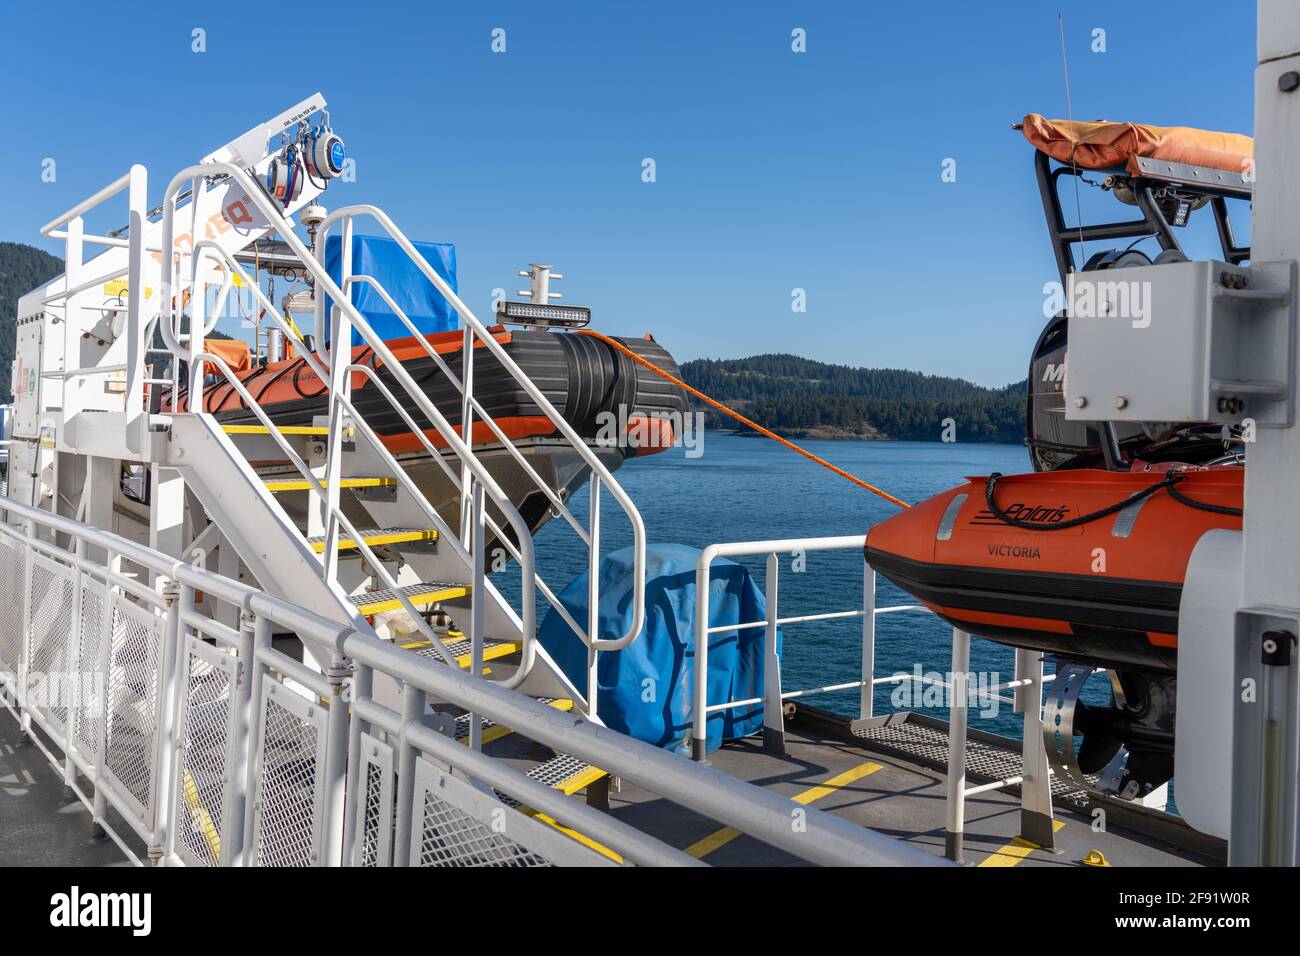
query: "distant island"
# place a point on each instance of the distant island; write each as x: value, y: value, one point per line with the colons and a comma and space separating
x: 799, y: 398
x: 793, y: 396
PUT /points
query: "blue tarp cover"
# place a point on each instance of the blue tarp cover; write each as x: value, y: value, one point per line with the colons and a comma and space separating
x: 645, y: 689
x: 384, y: 260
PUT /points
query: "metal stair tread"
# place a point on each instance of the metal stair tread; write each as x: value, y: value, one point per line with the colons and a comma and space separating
x: 563, y: 772
x: 461, y: 649
x: 376, y: 536
x: 424, y: 594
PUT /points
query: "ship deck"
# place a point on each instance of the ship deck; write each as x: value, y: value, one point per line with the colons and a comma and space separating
x: 888, y: 777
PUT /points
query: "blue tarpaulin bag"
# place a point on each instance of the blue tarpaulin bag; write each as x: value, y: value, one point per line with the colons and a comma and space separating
x: 645, y: 690
x: 393, y: 269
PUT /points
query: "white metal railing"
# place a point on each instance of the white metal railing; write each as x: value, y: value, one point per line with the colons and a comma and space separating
x: 1026, y: 684
x: 478, y: 335
x: 343, y: 417
x: 218, y: 750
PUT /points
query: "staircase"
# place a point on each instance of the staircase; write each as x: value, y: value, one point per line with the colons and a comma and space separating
x: 324, y: 515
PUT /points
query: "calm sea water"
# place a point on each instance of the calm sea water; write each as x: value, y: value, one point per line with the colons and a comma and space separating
x: 743, y: 489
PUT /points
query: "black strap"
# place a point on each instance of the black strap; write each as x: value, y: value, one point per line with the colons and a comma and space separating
x: 990, y: 486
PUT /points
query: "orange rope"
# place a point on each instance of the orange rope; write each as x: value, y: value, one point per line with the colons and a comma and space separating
x: 741, y: 418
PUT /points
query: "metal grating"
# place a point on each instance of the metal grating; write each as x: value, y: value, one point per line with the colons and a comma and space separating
x: 456, y: 824
x: 202, y: 786
x: 292, y: 760
x: 984, y: 760
x: 375, y: 811
x: 88, y: 718
x: 451, y: 837
x: 557, y: 770
x: 133, y: 700
x: 50, y: 677
x: 551, y: 772
x: 11, y: 600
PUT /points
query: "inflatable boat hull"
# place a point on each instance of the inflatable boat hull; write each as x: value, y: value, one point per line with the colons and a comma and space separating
x: 1107, y: 591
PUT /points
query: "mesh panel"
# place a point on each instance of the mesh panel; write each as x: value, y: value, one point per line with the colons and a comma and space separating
x: 51, y: 634
x: 451, y: 837
x: 287, y: 788
x: 202, y: 792
x: 11, y: 603
x: 133, y: 699
x: 90, y: 703
x: 371, y: 820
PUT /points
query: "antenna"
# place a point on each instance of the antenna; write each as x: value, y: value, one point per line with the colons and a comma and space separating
x: 540, y: 293
x: 1069, y: 114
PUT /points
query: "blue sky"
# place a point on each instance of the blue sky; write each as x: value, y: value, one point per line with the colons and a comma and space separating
x: 775, y: 170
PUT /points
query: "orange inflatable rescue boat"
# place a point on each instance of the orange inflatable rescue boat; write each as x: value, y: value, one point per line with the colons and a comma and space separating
x: 1082, y: 563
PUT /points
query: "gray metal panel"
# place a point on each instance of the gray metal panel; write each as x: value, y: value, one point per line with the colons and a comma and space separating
x: 203, y: 764
x: 456, y: 824
x: 374, y: 805
x: 288, y: 820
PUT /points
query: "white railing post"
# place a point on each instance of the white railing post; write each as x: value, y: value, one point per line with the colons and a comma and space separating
x: 24, y: 652
x: 70, y: 397
x: 340, y: 358
x: 957, y: 713
x: 167, y: 737
x: 593, y: 595
x: 773, y: 718
x: 466, y: 432
x: 866, y: 701
x: 336, y: 762
x: 413, y: 700
x: 232, y: 834
x: 699, y: 737
x: 257, y: 673
x: 74, y: 685
x: 477, y: 602
x: 111, y: 564
x: 1036, y: 824
x: 137, y: 412
x: 363, y: 679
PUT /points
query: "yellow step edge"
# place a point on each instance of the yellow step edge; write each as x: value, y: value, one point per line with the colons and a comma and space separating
x: 579, y: 781
x: 504, y: 649
x: 390, y: 537
x: 432, y: 596
x: 302, y: 484
x: 282, y: 429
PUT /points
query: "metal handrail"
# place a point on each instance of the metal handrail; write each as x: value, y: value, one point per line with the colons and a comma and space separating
x: 824, y: 838
x: 195, y: 174
x: 476, y: 327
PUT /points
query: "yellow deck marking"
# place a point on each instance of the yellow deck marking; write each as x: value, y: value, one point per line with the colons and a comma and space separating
x: 568, y: 831
x: 722, y: 837
x: 202, y: 819
x: 1016, y: 850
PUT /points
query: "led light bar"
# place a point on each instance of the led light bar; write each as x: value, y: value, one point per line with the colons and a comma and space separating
x: 543, y: 316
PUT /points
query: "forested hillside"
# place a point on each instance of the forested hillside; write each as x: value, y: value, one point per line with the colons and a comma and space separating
x: 797, y: 396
